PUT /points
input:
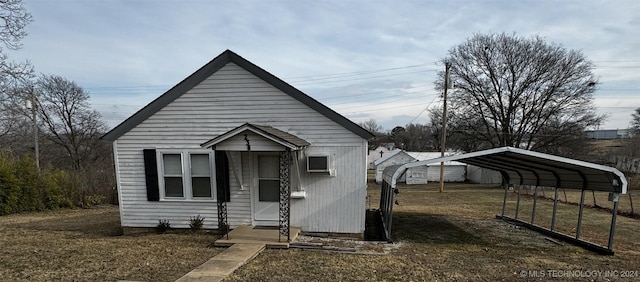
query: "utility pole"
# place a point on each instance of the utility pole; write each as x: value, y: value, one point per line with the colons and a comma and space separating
x: 444, y: 124
x: 35, y: 127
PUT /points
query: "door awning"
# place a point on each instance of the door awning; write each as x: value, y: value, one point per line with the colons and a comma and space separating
x: 254, y: 137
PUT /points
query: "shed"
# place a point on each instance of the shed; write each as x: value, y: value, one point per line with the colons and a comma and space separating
x: 238, y: 146
x: 394, y: 157
x: 453, y: 171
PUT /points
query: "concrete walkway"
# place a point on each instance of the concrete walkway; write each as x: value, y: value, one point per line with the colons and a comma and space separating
x: 223, y: 264
x: 244, y: 242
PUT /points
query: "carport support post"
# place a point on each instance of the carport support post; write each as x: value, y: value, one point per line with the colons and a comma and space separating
x: 612, y: 230
x: 580, y: 215
x: 535, y: 200
x: 555, y: 209
x: 504, y: 201
x: 518, y: 201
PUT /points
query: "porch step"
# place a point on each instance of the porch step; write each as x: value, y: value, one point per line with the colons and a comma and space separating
x: 223, y: 264
x: 249, y: 235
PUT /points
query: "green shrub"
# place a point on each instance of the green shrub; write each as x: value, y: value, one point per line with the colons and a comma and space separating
x: 23, y: 188
x: 163, y: 225
x: 9, y: 187
x: 31, y: 196
x: 55, y: 182
x: 196, y: 223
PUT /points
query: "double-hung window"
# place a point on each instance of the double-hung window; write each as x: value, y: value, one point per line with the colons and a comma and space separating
x: 186, y: 174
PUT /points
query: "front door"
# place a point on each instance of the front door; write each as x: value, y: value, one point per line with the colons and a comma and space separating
x: 266, y: 194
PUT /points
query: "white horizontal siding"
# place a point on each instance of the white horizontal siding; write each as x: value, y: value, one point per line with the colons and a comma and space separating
x: 400, y: 158
x: 425, y: 174
x: 227, y: 99
x: 452, y: 173
x: 334, y: 203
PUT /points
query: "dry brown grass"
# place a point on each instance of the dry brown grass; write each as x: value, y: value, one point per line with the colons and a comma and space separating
x: 455, y: 236
x: 439, y: 236
x: 86, y: 245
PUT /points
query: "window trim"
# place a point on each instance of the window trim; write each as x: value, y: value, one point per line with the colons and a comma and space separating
x: 185, y: 161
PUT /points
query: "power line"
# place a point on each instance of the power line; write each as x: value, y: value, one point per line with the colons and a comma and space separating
x: 373, y: 93
x: 411, y: 96
x: 377, y: 102
x: 359, y: 72
x: 312, y: 82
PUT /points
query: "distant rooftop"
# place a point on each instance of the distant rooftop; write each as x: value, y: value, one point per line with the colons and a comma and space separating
x: 607, y: 134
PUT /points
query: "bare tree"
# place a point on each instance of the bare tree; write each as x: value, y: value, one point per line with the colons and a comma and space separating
x: 519, y: 92
x: 372, y: 126
x: 418, y: 138
x: 13, y: 19
x: 67, y: 119
x: 459, y: 129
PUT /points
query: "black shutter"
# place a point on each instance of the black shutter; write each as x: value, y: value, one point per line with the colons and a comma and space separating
x: 151, y: 174
x: 222, y: 177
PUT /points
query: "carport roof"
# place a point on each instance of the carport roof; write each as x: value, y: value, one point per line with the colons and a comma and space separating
x: 523, y: 167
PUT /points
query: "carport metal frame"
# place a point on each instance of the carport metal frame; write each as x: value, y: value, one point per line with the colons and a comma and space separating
x: 522, y: 167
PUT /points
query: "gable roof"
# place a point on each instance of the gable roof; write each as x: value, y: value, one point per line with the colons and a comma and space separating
x: 212, y: 67
x: 389, y: 155
x: 519, y: 166
x: 276, y: 135
x: 423, y: 156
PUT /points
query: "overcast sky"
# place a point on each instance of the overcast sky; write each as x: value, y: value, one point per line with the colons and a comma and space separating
x: 364, y: 59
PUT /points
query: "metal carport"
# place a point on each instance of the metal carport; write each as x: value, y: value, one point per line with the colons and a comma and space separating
x: 523, y: 167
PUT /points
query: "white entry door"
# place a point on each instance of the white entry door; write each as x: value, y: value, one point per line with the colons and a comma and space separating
x: 266, y: 195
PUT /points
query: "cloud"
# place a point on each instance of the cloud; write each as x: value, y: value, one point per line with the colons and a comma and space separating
x: 132, y: 51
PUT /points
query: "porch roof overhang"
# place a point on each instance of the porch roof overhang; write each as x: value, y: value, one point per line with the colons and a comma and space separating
x: 275, y: 135
x: 523, y: 167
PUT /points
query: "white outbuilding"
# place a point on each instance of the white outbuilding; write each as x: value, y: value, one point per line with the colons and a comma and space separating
x: 453, y: 171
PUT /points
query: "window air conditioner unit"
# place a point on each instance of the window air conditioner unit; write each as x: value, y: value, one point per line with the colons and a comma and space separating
x: 318, y: 163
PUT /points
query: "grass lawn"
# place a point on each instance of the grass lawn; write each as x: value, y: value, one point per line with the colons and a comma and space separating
x: 455, y: 236
x: 438, y: 236
x: 86, y: 245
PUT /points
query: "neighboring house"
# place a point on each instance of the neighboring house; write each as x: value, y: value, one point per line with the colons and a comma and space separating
x: 238, y: 146
x: 394, y: 157
x: 453, y: 171
x: 374, y: 155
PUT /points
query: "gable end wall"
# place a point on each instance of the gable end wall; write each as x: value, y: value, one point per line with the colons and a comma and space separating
x: 230, y: 97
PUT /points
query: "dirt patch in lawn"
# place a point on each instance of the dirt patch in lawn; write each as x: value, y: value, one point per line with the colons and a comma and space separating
x: 87, y: 245
x: 344, y: 245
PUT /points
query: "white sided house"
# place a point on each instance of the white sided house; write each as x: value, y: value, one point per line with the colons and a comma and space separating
x: 374, y: 155
x: 395, y: 157
x: 238, y: 146
x: 453, y: 171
